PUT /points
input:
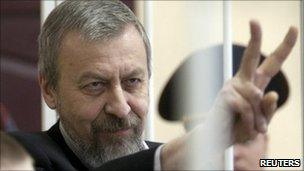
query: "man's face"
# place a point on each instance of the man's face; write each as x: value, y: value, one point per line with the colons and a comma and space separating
x: 102, y: 95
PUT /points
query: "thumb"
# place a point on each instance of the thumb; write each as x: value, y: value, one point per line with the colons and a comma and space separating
x: 269, y: 104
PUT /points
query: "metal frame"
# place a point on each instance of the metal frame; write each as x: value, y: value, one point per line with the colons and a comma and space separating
x: 302, y: 67
x: 48, y: 116
x: 227, y: 68
x: 148, y: 23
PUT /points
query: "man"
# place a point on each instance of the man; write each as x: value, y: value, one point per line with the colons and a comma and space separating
x: 94, y: 70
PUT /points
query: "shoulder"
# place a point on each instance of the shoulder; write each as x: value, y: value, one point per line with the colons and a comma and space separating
x: 47, y: 153
x: 37, y: 144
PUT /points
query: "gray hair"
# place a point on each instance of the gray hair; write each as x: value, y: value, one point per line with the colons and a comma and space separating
x: 94, y: 20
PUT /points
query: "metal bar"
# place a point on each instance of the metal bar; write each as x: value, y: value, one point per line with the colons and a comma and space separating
x: 148, y: 23
x: 48, y: 116
x: 302, y: 67
x: 227, y: 55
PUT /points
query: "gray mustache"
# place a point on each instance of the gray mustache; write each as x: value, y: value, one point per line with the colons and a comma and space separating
x: 112, y: 123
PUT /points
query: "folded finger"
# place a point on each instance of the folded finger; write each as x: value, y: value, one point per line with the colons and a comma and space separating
x: 269, y: 105
x: 245, y: 112
x: 253, y: 95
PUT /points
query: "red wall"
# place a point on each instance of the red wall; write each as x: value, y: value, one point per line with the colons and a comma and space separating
x: 20, y: 24
x: 20, y: 93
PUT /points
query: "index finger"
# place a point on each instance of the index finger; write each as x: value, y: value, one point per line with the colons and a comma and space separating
x: 251, y: 57
x: 274, y: 62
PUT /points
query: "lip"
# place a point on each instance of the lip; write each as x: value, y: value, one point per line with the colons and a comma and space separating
x: 121, y: 132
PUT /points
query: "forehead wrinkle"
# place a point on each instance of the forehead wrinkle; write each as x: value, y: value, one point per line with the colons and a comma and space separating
x: 112, y: 58
x: 91, y: 75
x: 107, y: 48
x: 134, y: 72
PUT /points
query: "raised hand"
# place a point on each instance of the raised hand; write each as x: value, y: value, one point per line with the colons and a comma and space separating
x: 244, y: 93
x: 241, y: 108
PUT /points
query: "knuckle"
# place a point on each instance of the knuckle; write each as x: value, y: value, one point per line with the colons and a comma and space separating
x: 260, y: 73
x: 257, y: 94
x: 234, y: 104
x: 246, y: 108
x: 253, y: 92
x: 226, y: 90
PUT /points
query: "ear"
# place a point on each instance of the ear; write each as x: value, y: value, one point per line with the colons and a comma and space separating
x: 48, y: 92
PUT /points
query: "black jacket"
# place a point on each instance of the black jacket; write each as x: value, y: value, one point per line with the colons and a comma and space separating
x: 50, y: 152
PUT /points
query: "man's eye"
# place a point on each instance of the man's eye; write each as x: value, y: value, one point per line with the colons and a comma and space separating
x: 94, y: 87
x: 133, y: 82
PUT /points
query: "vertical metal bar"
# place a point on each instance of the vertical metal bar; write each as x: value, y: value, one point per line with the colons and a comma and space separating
x: 48, y: 116
x: 302, y: 67
x: 227, y: 33
x: 227, y: 55
x: 148, y: 23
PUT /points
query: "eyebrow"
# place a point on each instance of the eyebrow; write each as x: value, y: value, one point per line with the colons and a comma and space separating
x: 136, y: 72
x: 90, y: 75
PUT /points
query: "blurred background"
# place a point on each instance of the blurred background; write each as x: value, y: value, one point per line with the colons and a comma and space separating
x: 178, y: 29
x: 20, y: 93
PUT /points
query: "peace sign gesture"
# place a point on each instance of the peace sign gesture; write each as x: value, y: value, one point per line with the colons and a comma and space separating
x: 242, y: 97
x: 245, y: 92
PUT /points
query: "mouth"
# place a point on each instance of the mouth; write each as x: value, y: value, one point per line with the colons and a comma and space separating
x: 120, y: 133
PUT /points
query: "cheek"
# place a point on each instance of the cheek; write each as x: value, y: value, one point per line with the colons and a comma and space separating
x: 79, y: 114
x: 76, y: 105
x: 140, y: 106
x: 86, y: 109
x: 81, y: 111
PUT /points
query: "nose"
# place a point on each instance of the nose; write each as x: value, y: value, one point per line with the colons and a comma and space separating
x: 117, y: 103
